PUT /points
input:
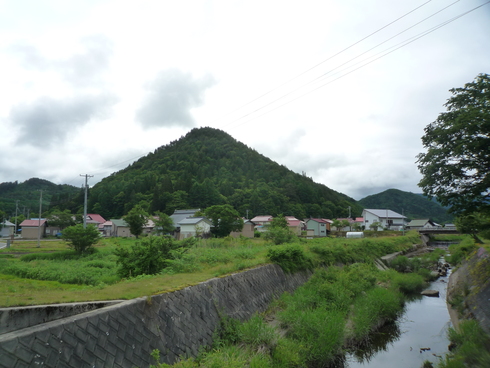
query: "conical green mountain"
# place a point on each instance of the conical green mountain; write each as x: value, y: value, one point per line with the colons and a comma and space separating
x: 208, y: 167
x: 414, y: 206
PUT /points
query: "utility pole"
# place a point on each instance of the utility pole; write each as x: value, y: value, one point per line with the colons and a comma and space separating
x: 16, y: 208
x: 349, y: 212
x: 85, y: 200
x: 39, y: 223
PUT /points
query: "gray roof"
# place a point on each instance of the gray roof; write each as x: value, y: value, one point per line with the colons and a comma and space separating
x: 180, y: 215
x: 385, y: 213
x: 7, y: 223
x: 193, y: 221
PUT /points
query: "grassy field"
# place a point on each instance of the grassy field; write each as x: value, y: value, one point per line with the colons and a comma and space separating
x: 52, y: 273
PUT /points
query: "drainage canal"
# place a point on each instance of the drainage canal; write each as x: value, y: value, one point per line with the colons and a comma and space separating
x: 420, y: 334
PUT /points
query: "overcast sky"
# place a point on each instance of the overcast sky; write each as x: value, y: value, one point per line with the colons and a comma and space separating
x: 339, y: 89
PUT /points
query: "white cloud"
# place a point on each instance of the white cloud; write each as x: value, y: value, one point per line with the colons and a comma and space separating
x: 99, y: 74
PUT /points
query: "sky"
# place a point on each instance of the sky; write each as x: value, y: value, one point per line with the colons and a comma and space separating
x: 338, y: 89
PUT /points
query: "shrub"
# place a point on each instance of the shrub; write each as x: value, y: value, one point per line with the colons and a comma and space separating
x: 291, y: 258
x: 148, y: 256
x: 81, y: 239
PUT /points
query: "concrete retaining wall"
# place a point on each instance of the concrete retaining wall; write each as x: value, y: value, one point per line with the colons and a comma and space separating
x: 124, y: 334
x: 13, y: 319
x: 473, y: 276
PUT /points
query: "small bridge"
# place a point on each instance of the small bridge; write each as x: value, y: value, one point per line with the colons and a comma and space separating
x: 438, y: 231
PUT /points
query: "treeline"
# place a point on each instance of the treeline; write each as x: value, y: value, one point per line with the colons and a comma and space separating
x: 209, y: 167
x: 60, y: 196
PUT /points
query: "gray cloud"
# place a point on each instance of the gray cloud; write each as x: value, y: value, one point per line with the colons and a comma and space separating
x: 81, y: 69
x: 170, y: 98
x: 47, y: 120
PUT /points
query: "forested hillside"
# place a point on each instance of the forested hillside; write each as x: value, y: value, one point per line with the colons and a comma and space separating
x: 413, y: 205
x: 62, y: 196
x: 208, y: 167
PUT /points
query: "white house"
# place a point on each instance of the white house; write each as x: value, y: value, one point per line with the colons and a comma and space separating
x: 387, y: 218
x: 7, y: 230
x: 194, y: 226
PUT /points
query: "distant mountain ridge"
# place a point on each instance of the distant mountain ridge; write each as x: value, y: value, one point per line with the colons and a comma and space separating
x: 412, y: 205
x: 206, y: 167
x: 27, y: 194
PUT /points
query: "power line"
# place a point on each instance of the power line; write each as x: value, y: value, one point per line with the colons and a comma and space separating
x: 403, y: 43
x: 322, y: 62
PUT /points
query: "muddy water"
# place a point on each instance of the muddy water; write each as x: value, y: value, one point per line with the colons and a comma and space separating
x: 424, y: 324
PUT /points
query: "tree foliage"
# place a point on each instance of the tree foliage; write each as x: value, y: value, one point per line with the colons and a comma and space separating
x: 208, y: 167
x: 278, y: 231
x: 455, y: 168
x: 148, y: 256
x: 473, y: 224
x: 136, y: 220
x: 81, y: 239
x: 61, y: 219
x: 163, y: 223
x: 225, y: 219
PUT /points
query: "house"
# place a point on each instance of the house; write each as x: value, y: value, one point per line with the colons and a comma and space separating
x: 194, y: 226
x: 387, y: 218
x: 32, y: 227
x: 120, y: 228
x: 420, y: 224
x: 319, y: 227
x: 107, y: 228
x: 7, y: 229
x: 248, y: 230
x: 180, y: 215
x: 262, y: 220
x: 450, y: 227
x: 295, y: 225
x: 95, y: 219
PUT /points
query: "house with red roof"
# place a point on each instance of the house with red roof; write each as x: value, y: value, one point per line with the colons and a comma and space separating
x: 295, y: 225
x: 318, y: 226
x: 30, y: 228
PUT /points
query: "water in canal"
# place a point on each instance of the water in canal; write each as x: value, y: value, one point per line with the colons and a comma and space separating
x: 423, y: 325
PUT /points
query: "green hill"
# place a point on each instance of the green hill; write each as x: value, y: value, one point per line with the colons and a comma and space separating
x: 27, y: 194
x: 208, y: 167
x: 413, y: 205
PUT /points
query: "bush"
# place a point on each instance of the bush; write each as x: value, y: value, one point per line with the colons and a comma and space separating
x: 291, y: 258
x: 147, y: 257
x: 279, y: 235
x: 81, y: 239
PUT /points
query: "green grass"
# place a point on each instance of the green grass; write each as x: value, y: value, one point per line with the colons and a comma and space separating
x: 24, y: 266
x: 472, y: 347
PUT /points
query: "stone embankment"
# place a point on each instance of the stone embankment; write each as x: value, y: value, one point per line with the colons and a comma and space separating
x: 471, y: 283
x: 123, y: 334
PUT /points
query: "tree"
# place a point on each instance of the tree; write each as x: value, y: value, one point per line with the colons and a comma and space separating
x: 136, y: 219
x: 81, y: 239
x: 455, y: 168
x: 61, y: 219
x: 473, y: 224
x: 345, y: 223
x: 278, y: 231
x: 163, y: 224
x: 374, y: 226
x: 336, y: 224
x: 225, y: 219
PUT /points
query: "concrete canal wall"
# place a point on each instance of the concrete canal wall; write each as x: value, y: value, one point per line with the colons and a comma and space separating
x: 123, y: 334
